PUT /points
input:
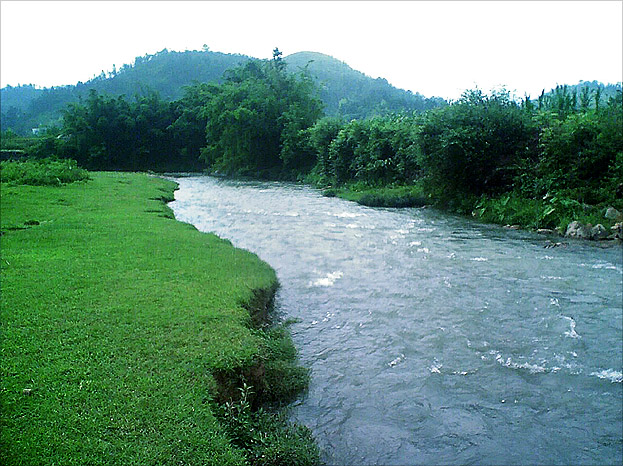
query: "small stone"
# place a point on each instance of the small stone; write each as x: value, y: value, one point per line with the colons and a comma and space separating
x: 572, y: 228
x: 599, y: 232
x: 613, y: 214
x: 577, y: 230
x: 545, y: 231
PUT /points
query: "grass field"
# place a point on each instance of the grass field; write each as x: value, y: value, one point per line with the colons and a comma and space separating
x: 123, y: 331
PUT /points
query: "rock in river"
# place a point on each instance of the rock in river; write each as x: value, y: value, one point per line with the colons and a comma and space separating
x: 578, y: 230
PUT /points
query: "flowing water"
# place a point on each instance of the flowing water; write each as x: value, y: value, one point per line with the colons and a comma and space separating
x: 433, y: 339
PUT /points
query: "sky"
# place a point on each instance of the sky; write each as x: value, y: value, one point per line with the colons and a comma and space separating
x: 438, y: 48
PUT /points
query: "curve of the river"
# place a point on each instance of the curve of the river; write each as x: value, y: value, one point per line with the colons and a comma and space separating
x: 433, y: 339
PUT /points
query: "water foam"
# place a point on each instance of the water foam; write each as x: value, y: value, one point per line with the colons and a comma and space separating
x: 508, y: 362
x: 329, y: 280
x: 571, y: 333
x: 348, y: 215
x: 396, y: 361
x: 609, y: 374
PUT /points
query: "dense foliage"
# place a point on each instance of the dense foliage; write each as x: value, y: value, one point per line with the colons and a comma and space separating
x: 105, y: 132
x: 265, y: 121
x: 255, y: 119
x: 475, y: 145
x: 376, y: 151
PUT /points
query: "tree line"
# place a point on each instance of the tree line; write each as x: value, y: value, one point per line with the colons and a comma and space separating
x: 484, y: 145
x: 264, y: 122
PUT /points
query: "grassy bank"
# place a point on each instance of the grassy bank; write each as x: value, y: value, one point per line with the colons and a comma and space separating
x: 386, y: 196
x: 551, y: 212
x: 128, y: 337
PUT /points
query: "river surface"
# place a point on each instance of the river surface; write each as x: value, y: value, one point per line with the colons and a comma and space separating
x: 433, y: 339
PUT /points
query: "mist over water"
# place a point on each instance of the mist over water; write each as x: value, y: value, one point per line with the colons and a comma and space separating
x: 433, y: 339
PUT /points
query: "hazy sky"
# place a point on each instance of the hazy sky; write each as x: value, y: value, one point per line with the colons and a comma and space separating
x: 436, y: 48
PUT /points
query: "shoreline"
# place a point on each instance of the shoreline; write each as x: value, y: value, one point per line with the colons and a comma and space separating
x: 138, y: 324
x: 414, y: 197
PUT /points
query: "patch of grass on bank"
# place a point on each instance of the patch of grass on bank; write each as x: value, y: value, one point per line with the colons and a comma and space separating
x: 551, y: 212
x: 386, y: 196
x: 41, y: 172
x: 124, y: 332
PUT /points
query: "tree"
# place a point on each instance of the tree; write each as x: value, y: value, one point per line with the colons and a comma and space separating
x: 585, y: 99
x: 256, y: 120
x: 111, y: 133
x: 474, y: 145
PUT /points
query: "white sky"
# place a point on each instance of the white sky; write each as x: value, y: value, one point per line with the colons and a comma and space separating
x: 436, y: 48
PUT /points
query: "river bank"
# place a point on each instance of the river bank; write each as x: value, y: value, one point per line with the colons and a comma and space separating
x: 551, y: 215
x: 390, y: 301
x: 132, y: 338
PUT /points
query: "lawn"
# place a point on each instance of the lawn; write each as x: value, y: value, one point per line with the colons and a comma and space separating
x: 122, y: 329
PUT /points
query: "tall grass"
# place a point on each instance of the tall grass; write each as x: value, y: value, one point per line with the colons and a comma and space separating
x: 551, y: 212
x: 41, y: 172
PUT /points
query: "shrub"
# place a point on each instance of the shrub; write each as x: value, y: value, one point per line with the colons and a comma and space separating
x: 42, y: 172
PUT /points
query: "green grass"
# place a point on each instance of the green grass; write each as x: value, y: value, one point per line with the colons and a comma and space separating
x: 554, y: 212
x: 42, y: 172
x: 122, y: 329
x: 386, y: 196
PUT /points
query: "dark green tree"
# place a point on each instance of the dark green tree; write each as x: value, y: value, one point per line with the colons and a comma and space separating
x: 256, y: 120
x: 111, y: 133
x: 474, y: 146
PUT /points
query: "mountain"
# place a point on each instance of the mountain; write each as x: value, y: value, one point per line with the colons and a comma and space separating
x: 345, y: 91
x: 351, y: 94
x: 166, y: 72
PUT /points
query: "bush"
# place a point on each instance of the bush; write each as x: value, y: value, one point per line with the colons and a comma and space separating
x: 267, y: 438
x: 474, y: 146
x: 42, y: 172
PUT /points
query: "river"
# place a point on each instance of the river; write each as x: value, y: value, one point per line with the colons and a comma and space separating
x: 433, y: 339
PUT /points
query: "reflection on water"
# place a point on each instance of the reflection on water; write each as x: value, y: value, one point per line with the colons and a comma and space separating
x: 433, y: 339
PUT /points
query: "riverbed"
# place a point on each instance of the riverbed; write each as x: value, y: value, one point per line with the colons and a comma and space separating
x: 434, y: 339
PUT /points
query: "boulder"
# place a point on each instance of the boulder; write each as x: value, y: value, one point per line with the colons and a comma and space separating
x: 613, y: 214
x: 599, y: 232
x: 617, y: 230
x: 577, y: 230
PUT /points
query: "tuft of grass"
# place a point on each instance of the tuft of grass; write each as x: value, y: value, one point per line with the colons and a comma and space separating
x: 266, y: 437
x: 386, y: 196
x: 41, y: 172
x: 115, y: 323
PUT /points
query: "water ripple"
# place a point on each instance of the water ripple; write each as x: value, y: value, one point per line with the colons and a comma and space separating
x: 433, y: 339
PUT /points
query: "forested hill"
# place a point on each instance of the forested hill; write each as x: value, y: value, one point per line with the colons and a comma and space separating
x: 352, y: 94
x: 345, y: 91
x: 166, y: 72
